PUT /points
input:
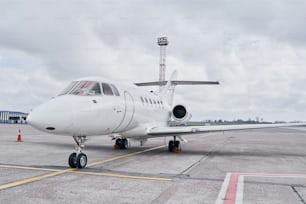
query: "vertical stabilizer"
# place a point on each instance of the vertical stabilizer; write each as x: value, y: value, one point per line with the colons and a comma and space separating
x: 167, y: 92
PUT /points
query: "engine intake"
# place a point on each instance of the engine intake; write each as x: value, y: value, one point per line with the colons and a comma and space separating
x: 179, y: 111
x: 180, y: 114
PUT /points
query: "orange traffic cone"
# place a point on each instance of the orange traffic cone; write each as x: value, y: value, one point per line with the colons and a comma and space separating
x: 19, y: 136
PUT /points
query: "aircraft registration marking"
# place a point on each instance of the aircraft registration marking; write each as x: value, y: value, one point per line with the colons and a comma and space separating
x: 57, y: 172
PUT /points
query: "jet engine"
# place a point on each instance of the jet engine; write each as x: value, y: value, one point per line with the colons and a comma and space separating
x: 180, y: 114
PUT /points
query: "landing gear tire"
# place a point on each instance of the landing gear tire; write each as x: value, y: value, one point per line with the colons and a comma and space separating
x: 78, y: 159
x: 174, y: 146
x: 171, y: 146
x: 81, y: 160
x: 72, y: 160
x: 177, y: 147
x: 121, y: 144
x: 124, y: 144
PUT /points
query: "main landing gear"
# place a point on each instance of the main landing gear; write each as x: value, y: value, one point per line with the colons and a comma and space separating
x: 174, y: 145
x: 78, y: 159
x: 121, y: 143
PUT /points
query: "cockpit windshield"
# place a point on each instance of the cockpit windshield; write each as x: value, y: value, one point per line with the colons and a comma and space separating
x: 86, y: 88
x: 68, y: 88
x: 83, y: 88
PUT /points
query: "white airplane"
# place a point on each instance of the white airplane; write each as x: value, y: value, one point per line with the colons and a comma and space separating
x: 96, y: 106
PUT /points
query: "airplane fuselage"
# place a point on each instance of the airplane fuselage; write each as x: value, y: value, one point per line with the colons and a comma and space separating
x: 128, y: 113
x: 95, y: 106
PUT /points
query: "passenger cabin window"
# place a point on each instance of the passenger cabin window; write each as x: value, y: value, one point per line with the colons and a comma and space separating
x: 107, y: 90
x: 86, y: 88
x: 141, y: 99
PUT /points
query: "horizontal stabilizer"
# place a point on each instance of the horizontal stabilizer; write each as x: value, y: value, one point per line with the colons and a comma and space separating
x: 163, y: 83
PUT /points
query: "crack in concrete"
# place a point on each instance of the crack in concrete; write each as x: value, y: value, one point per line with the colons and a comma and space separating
x: 214, y: 149
x: 298, y: 194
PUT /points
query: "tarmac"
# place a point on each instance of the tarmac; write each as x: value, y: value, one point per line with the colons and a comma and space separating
x: 255, y: 166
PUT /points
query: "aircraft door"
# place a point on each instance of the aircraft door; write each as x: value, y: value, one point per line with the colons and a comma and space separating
x: 128, y: 115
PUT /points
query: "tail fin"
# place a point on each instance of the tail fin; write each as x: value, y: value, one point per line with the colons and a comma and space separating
x: 169, y: 86
x: 167, y: 92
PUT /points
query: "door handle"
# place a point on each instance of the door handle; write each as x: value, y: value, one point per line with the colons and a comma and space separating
x: 118, y: 111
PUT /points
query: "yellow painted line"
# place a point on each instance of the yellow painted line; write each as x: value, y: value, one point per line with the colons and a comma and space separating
x: 59, y: 172
x: 123, y: 156
x: 33, y: 179
x: 27, y: 168
x: 123, y: 176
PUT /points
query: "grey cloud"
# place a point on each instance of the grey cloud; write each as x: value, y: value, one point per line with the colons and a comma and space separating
x: 255, y: 48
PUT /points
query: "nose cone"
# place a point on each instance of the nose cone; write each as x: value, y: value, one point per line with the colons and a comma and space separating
x: 39, y: 119
x: 31, y: 119
x: 53, y: 116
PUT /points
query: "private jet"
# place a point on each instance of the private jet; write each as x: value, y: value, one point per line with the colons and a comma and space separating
x: 97, y: 106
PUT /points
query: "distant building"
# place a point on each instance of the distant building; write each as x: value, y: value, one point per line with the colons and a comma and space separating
x: 13, y: 117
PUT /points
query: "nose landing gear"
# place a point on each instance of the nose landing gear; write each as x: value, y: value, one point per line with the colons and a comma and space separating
x: 78, y: 159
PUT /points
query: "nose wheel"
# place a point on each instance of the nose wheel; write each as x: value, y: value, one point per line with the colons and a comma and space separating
x: 78, y: 159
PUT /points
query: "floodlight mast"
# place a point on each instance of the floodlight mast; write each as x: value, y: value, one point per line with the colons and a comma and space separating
x: 162, y: 42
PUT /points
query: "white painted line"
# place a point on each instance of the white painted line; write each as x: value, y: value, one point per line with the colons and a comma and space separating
x: 274, y: 175
x: 239, y: 193
x: 223, y: 190
x: 232, y: 188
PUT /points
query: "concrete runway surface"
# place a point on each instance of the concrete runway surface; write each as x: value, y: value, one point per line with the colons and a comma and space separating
x: 256, y: 166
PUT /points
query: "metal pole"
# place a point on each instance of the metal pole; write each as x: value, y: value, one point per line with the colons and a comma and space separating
x: 162, y: 42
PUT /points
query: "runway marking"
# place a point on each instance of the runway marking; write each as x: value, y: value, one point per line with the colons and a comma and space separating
x: 231, y: 191
x: 123, y: 176
x: 33, y: 179
x: 222, y: 192
x: 59, y: 172
x: 240, y: 187
x: 124, y: 156
x: 27, y: 168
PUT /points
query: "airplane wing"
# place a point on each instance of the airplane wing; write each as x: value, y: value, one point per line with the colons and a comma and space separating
x: 185, y: 130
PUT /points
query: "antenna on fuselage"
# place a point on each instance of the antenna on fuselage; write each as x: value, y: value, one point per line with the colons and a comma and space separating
x: 162, y: 42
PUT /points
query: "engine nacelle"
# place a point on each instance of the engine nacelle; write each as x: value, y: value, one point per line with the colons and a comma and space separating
x: 180, y: 114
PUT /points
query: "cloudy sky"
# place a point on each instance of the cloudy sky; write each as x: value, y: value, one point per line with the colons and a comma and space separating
x: 256, y: 49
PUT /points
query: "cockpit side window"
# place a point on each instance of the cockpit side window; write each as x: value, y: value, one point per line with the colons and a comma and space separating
x: 107, y: 90
x: 68, y: 88
x: 115, y: 90
x: 96, y: 89
x: 87, y: 88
